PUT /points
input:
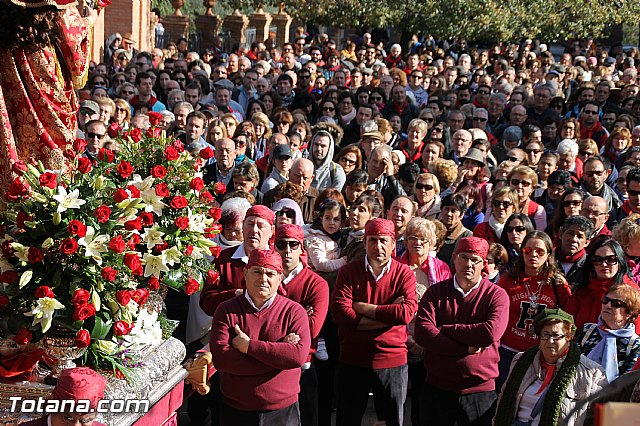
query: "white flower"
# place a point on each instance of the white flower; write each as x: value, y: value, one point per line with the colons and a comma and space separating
x: 152, y: 236
x: 68, y: 201
x: 94, y: 245
x: 154, y: 265
x: 172, y: 256
x: 42, y: 312
x: 142, y: 185
x: 152, y: 203
x: 197, y: 222
x: 20, y: 251
x: 198, y: 253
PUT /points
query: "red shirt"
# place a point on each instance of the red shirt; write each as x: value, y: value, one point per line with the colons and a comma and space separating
x: 483, y: 230
x: 231, y: 278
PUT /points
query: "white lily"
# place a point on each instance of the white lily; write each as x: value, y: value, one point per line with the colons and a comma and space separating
x: 154, y: 265
x: 197, y: 222
x: 152, y: 203
x: 152, y: 236
x: 42, y: 312
x: 69, y: 200
x: 172, y: 256
x: 142, y: 185
x: 198, y: 253
x: 94, y: 245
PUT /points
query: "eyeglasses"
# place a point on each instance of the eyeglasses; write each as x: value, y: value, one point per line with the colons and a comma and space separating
x: 127, y: 92
x: 616, y: 303
x: 417, y: 240
x: 140, y: 64
x: 429, y: 120
x: 633, y: 193
x: 554, y: 337
x: 483, y: 92
x: 437, y: 129
x: 481, y: 119
x: 291, y: 214
x: 181, y: 79
x: 347, y: 161
x: 474, y: 261
x: 533, y: 151
x: 518, y: 182
x: 587, y: 153
x: 91, y: 135
x: 571, y: 203
x: 417, y: 76
x: 330, y: 109
x: 592, y: 173
x: 120, y: 109
x: 537, y: 250
x: 240, y: 144
x: 283, y: 244
x: 375, y: 98
x: 518, y: 229
x: 424, y: 186
x: 497, y: 204
x: 605, y: 260
x: 590, y: 112
x: 514, y: 159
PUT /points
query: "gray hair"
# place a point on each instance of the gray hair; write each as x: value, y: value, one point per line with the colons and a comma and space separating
x: 500, y: 96
x: 186, y: 105
x: 167, y: 113
x: 568, y: 146
x: 512, y: 133
x: 385, y: 148
x: 237, y: 204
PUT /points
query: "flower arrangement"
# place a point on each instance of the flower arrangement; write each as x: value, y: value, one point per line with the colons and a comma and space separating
x: 83, y: 249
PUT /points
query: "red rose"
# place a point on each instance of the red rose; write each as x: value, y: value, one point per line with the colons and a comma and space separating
x: 7, y: 250
x: 135, y: 192
x: 215, y: 251
x: 171, y: 153
x: 109, y: 274
x: 9, y: 277
x: 153, y: 283
x: 155, y: 118
x: 141, y: 295
x: 153, y: 132
x: 21, y: 218
x: 48, y: 180
x: 123, y: 297
x: 219, y: 188
x: 102, y: 213
x: 158, y: 172
x: 122, y: 328
x: 35, y: 255
x: 80, y: 297
x: 162, y: 190
x: 114, y: 130
x: 4, y: 301
x: 124, y: 169
x: 17, y: 189
x: 179, y: 202
x: 19, y: 167
x: 44, y: 291
x: 133, y: 241
x: 215, y: 213
x: 84, y: 165
x: 132, y: 261
x: 80, y: 145
x: 76, y: 227
x: 191, y: 286
x: 196, y: 184
x: 83, y: 339
x: 23, y: 336
x: 212, y: 276
x: 117, y: 244
x: 206, y: 197
x: 83, y: 311
x: 68, y: 246
x: 182, y: 222
x: 188, y: 250
x: 146, y: 218
x: 106, y: 155
x: 177, y: 144
x: 136, y: 135
x: 159, y: 248
x: 206, y: 153
x: 131, y: 225
x: 120, y: 195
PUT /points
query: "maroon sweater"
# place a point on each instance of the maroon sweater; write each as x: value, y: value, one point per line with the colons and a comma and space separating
x: 310, y: 290
x: 448, y: 324
x: 385, y: 347
x: 266, y: 377
x: 231, y: 278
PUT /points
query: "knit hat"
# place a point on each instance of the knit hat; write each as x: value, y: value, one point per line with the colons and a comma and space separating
x: 263, y: 212
x: 265, y: 258
x: 473, y: 245
x: 80, y: 383
x: 380, y: 227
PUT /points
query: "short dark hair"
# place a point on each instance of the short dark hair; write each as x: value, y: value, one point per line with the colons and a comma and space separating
x: 456, y: 200
x: 357, y: 177
x: 580, y: 222
x: 197, y: 114
x: 560, y: 177
x: 409, y: 172
x: 140, y: 76
x: 283, y: 77
x: 633, y: 175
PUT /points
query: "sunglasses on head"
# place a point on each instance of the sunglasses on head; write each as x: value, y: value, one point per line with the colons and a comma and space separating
x: 283, y: 244
x: 291, y: 214
x: 616, y: 303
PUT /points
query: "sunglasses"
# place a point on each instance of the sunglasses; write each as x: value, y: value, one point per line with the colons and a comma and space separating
x: 375, y: 98
x: 591, y: 112
x: 120, y: 109
x: 347, y: 161
x: 534, y: 151
x: 518, y: 229
x: 483, y: 92
x: 429, y: 120
x: 530, y: 250
x: 616, y: 303
x: 571, y: 203
x: 95, y: 135
x: 518, y: 182
x: 283, y: 244
x: 633, y: 193
x: 605, y: 260
x: 501, y: 204
x: 122, y: 58
x: 424, y: 186
x: 593, y: 173
x: 127, y: 92
x: 587, y: 153
x: 181, y: 79
x: 291, y: 214
x: 481, y: 119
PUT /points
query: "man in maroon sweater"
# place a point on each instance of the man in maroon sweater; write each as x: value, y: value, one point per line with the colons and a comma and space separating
x: 311, y: 291
x: 259, y: 341
x: 459, y: 324
x: 257, y: 228
x: 373, y: 301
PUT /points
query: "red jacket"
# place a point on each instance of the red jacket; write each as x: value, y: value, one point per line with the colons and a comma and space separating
x: 483, y: 230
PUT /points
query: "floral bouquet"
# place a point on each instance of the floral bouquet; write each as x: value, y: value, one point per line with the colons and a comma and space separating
x: 83, y: 249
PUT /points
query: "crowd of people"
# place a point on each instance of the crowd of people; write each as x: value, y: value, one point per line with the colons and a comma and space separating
x: 456, y: 225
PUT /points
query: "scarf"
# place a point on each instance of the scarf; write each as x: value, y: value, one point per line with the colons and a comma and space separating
x: 550, y: 415
x: 497, y: 227
x: 570, y: 258
x: 549, y: 372
x: 605, y: 352
x: 626, y: 207
x: 399, y: 108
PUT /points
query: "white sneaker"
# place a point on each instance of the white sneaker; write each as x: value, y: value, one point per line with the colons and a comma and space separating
x: 321, y: 351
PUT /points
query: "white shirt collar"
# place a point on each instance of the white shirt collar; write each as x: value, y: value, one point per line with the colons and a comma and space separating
x: 240, y: 254
x: 266, y: 304
x: 457, y: 287
x: 293, y: 274
x: 368, y: 267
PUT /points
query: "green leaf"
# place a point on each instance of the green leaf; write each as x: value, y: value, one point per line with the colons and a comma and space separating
x: 101, y: 328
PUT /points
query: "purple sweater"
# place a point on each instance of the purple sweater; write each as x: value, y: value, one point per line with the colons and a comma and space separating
x: 448, y: 324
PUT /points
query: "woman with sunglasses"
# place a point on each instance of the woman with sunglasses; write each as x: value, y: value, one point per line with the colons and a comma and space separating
x: 606, y: 266
x: 503, y: 203
x: 516, y: 227
x: 426, y: 193
x: 534, y: 283
x: 569, y: 204
x: 612, y: 342
x: 524, y: 180
x: 122, y: 114
x: 287, y: 211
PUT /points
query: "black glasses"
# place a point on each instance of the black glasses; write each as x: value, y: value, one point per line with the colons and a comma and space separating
x: 633, y: 193
x: 587, y: 153
x: 375, y: 98
x: 429, y: 120
x: 283, y: 244
x: 497, y: 204
x: 181, y: 79
x: 424, y: 186
x: 347, y: 161
x: 518, y: 229
x: 330, y: 109
x: 554, y: 337
x: 291, y: 214
x: 140, y: 64
x: 483, y: 92
x: 127, y: 92
x: 514, y: 159
x: 91, y: 135
x: 518, y: 182
x: 616, y: 303
x: 605, y: 260
x: 481, y: 119
x: 533, y: 151
x: 590, y: 112
x: 417, y: 76
x: 571, y: 203
x: 592, y: 173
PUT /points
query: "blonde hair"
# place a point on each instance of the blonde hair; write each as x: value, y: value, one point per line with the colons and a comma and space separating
x: 425, y: 176
x: 526, y: 171
x: 419, y: 124
x: 627, y: 231
x: 419, y: 225
x: 446, y: 171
